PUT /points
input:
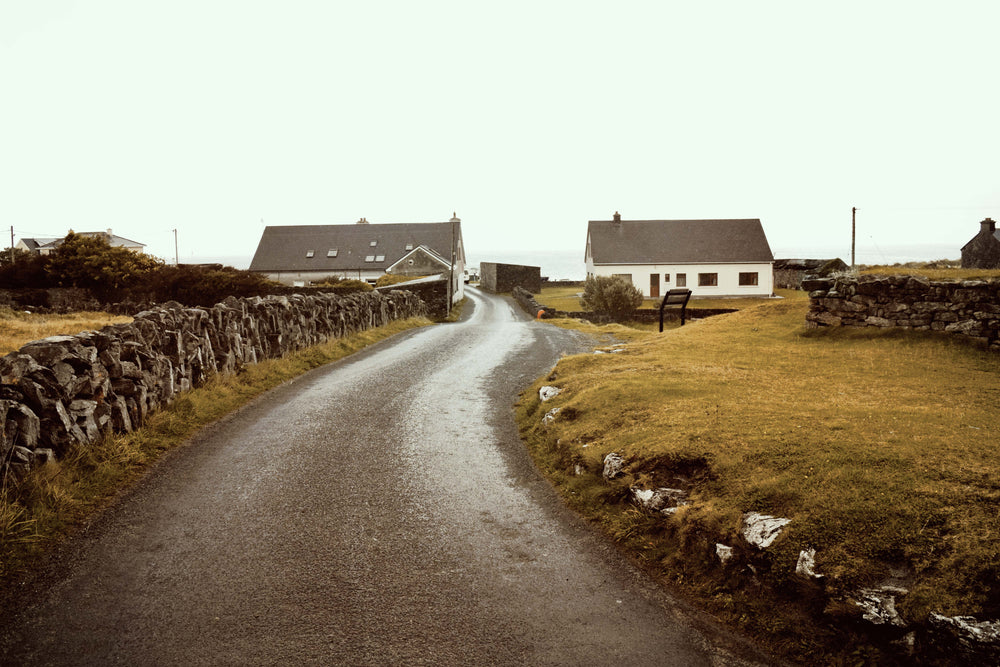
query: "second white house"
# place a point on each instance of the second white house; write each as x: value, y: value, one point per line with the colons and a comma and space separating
x: 709, y: 257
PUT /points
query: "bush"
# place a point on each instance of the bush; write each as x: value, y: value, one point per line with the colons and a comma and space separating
x: 28, y: 270
x: 90, y: 262
x: 611, y: 295
x: 200, y: 285
x: 390, y: 279
x: 336, y: 285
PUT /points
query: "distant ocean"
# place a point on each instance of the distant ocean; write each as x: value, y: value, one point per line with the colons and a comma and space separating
x: 568, y: 265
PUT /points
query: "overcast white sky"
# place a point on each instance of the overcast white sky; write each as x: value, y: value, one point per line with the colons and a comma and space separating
x: 527, y: 118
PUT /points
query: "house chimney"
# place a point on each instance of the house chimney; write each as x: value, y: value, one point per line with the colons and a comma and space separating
x: 363, y: 221
x: 617, y: 217
x: 989, y: 225
x: 455, y: 218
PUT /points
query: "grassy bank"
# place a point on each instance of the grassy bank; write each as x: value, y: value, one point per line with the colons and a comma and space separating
x: 880, y: 446
x: 18, y: 328
x: 57, y: 497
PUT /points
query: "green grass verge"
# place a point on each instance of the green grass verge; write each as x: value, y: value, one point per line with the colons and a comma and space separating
x: 879, y: 445
x: 58, y: 497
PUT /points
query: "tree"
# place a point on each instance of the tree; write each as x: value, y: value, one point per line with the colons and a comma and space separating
x: 90, y: 262
x: 611, y: 295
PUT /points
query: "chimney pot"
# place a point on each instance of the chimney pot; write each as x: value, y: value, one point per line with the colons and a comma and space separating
x: 989, y: 225
x: 617, y: 217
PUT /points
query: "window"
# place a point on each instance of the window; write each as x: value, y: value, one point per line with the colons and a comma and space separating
x: 666, y: 277
x: 380, y: 258
x: 748, y: 278
x: 682, y: 280
x: 409, y: 246
x: 708, y: 279
x: 369, y: 258
x: 373, y: 243
x: 627, y: 277
x: 309, y: 253
x: 331, y: 253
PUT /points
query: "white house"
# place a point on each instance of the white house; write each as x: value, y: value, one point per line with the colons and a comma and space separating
x: 299, y: 255
x: 47, y: 246
x: 709, y: 257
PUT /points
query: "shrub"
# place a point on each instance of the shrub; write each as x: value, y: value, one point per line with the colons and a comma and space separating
x: 90, y: 262
x: 611, y: 295
x: 201, y: 285
x: 390, y: 279
x: 337, y: 285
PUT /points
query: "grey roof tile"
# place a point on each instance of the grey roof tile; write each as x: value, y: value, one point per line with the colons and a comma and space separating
x: 678, y: 241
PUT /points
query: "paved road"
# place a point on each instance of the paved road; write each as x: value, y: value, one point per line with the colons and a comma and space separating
x: 381, y: 511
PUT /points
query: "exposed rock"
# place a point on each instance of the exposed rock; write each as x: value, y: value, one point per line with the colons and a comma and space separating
x: 723, y: 553
x: 547, y: 392
x: 662, y: 500
x: 613, y: 464
x: 550, y: 416
x: 761, y: 530
x: 977, y: 642
x: 878, y: 605
x: 806, y: 565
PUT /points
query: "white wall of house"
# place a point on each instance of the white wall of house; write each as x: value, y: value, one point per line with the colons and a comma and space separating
x: 305, y: 278
x: 727, y: 277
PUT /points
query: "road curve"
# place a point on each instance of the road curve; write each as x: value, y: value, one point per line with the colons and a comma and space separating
x: 380, y: 510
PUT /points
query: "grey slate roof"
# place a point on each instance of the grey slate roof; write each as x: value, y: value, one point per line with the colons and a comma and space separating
x: 678, y: 242
x: 285, y: 248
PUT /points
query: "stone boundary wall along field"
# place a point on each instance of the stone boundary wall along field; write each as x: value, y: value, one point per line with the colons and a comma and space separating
x: 64, y: 390
x: 969, y: 308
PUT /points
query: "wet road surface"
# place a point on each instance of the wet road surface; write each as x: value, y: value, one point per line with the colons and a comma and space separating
x: 380, y: 510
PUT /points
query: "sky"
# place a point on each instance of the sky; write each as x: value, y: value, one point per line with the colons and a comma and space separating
x: 527, y: 119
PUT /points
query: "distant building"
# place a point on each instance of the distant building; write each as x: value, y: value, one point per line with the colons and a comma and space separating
x: 300, y: 255
x: 502, y: 278
x: 709, y: 257
x: 46, y: 246
x: 983, y: 251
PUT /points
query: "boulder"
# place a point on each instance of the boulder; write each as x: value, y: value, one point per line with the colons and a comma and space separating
x: 761, y: 530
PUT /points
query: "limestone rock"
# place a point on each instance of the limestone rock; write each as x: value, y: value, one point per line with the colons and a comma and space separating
x: 662, y: 500
x: 547, y: 392
x: 806, y: 565
x: 878, y: 605
x: 723, y: 553
x: 613, y: 464
x: 978, y: 642
x: 761, y: 530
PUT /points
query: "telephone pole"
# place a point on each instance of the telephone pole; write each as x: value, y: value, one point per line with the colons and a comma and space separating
x: 12, y: 245
x: 854, y: 211
x: 177, y: 261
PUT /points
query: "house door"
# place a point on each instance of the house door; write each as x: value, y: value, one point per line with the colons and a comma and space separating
x: 654, y: 285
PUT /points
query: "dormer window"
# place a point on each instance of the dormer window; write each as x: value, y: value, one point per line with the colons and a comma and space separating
x: 309, y: 253
x: 331, y: 253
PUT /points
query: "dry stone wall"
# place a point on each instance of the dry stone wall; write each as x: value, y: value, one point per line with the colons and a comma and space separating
x: 72, y: 389
x: 969, y: 308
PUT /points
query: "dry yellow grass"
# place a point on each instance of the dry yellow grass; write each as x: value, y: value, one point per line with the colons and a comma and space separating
x: 18, y: 328
x: 880, y: 446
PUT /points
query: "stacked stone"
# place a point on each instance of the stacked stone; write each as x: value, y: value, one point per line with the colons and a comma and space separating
x: 969, y: 308
x: 72, y: 389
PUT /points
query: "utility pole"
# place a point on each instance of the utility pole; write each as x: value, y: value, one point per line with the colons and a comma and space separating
x: 12, y: 245
x: 177, y: 261
x: 854, y: 211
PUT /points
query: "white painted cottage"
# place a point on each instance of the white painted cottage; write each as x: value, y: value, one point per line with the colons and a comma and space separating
x: 709, y: 257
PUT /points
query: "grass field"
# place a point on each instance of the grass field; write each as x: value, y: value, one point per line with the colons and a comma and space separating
x: 880, y: 446
x: 18, y: 328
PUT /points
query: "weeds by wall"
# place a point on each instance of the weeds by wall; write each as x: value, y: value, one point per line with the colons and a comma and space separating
x: 67, y: 389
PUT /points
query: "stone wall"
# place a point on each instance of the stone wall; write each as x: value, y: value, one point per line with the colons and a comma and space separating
x: 969, y: 308
x: 72, y: 389
x: 433, y: 291
x: 501, y: 278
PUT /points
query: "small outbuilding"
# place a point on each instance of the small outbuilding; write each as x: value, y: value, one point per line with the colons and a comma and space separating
x: 983, y: 251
